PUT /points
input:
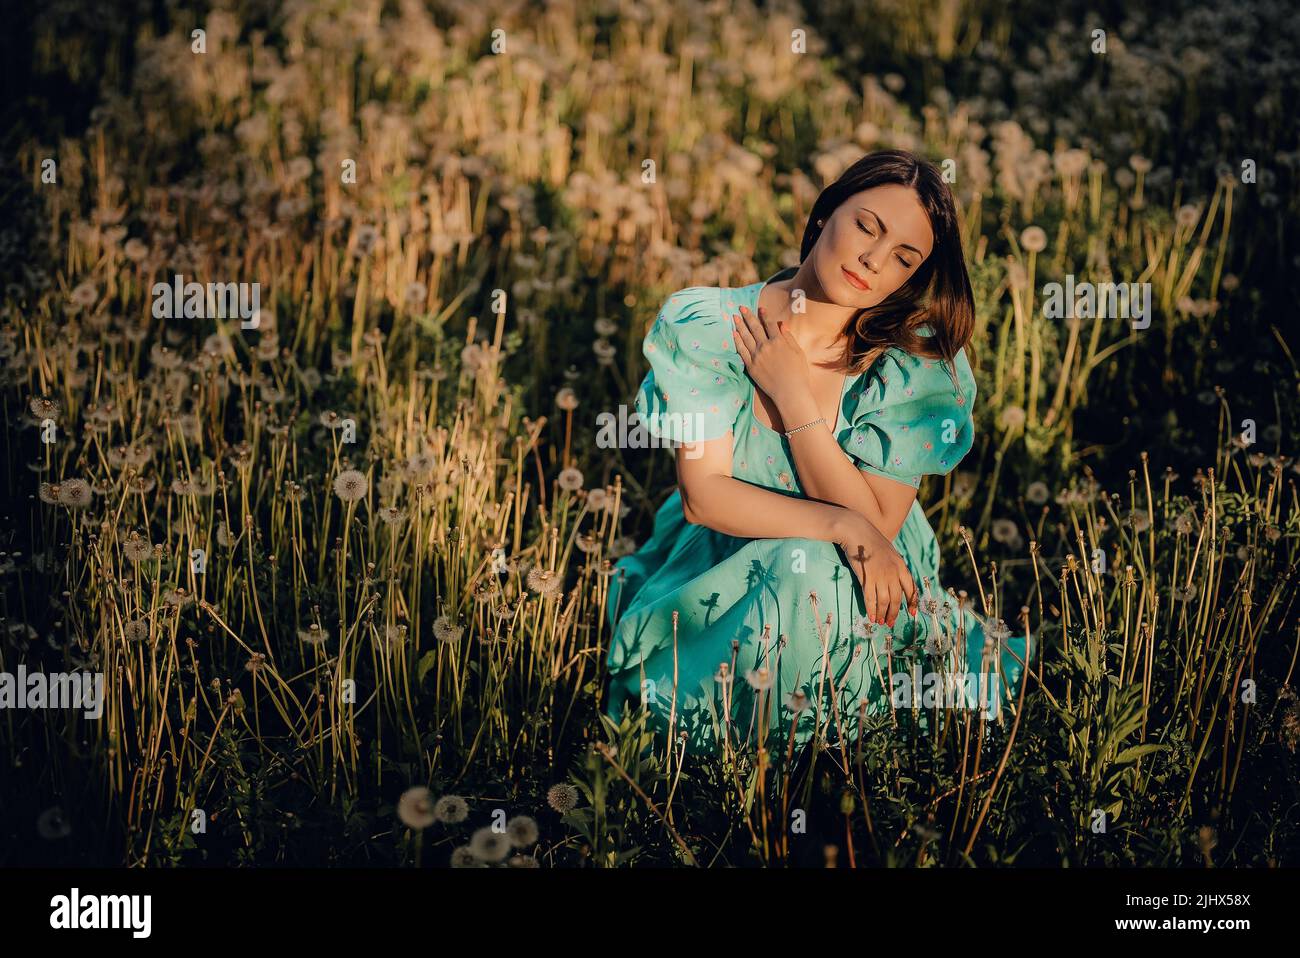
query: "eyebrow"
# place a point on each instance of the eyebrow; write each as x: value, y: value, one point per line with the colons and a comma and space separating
x: 884, y: 230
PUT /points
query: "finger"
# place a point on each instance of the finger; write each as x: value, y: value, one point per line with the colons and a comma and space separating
x: 756, y: 328
x: 909, y: 589
x: 773, y: 330
x: 868, y: 592
x: 880, y: 602
x: 743, y: 330
x: 741, y: 347
x: 860, y: 574
x: 893, y: 597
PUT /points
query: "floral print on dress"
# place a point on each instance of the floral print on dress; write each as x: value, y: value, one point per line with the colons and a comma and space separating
x: 690, y: 383
x: 898, y: 428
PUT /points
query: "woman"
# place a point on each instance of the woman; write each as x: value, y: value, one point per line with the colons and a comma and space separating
x: 805, y: 410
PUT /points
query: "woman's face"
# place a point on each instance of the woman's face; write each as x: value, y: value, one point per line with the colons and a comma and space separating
x: 881, y: 236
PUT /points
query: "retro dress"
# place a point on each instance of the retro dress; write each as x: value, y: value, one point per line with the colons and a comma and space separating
x: 892, y: 421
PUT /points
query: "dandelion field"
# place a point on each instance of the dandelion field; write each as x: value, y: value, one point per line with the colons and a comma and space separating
x: 343, y: 563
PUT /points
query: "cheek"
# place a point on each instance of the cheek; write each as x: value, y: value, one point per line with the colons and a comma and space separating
x: 892, y: 278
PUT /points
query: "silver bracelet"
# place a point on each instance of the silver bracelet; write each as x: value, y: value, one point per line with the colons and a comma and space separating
x: 804, y: 426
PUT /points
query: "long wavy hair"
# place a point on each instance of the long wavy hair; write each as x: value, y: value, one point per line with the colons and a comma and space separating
x: 937, y: 295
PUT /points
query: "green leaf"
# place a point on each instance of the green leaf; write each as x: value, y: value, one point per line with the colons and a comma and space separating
x: 427, y: 662
x: 1133, y: 752
x: 627, y: 854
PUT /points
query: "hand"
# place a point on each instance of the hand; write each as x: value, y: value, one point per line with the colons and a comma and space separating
x: 774, y: 360
x: 880, y: 569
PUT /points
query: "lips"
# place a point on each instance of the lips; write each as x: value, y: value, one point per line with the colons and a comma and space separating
x: 855, y: 280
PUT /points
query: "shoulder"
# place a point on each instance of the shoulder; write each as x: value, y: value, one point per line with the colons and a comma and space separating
x: 913, y: 416
x: 690, y: 321
x: 695, y: 372
x: 692, y: 302
x: 907, y: 377
x: 691, y: 329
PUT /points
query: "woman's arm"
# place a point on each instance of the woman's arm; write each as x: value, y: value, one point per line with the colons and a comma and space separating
x: 827, y: 473
x: 712, y: 497
x: 778, y: 365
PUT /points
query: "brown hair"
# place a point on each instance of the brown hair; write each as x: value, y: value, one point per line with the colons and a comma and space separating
x: 949, y: 308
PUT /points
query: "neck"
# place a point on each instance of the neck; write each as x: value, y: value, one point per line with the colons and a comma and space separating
x: 819, y: 328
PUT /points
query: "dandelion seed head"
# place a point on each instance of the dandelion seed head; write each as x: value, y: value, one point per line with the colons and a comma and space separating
x: 543, y: 581
x: 52, y: 824
x: 1033, y: 239
x: 522, y: 831
x: 450, y: 809
x: 1004, y: 530
x: 444, y: 630
x: 84, y: 295
x: 136, y: 547
x: 562, y: 797
x: 74, y: 493
x: 351, y: 485
x: 43, y: 408
x: 415, y: 808
x: 464, y: 857
x: 1012, y: 417
x: 488, y: 845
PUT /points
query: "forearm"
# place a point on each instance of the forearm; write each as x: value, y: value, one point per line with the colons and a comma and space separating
x: 738, y: 508
x: 825, y: 471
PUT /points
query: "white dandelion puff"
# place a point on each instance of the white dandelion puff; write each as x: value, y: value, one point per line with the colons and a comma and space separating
x: 415, y: 808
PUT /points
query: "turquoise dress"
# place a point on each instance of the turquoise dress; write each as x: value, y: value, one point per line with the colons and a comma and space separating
x: 749, y: 610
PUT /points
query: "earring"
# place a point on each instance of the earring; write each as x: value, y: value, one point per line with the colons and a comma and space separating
x: 819, y: 222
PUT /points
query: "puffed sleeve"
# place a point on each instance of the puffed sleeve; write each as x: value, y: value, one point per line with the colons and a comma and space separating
x: 694, y: 389
x: 911, y: 420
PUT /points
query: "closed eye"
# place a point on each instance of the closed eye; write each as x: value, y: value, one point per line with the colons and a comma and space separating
x: 906, y: 264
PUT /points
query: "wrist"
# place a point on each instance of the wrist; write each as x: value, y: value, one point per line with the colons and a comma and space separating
x: 843, y: 524
x: 796, y: 407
